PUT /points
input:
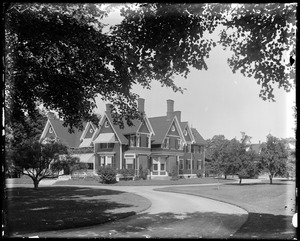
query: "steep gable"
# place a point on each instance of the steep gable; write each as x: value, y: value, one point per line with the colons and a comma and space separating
x: 54, y: 129
x: 173, y: 131
x: 198, y: 138
x: 143, y: 128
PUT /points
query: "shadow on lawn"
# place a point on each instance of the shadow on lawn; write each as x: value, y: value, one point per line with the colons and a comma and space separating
x: 53, y: 208
x: 259, y: 184
x: 266, y: 226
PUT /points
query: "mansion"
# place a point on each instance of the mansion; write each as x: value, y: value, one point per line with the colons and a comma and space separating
x: 159, y: 144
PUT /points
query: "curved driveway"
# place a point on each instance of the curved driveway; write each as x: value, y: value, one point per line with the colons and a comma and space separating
x: 170, y: 215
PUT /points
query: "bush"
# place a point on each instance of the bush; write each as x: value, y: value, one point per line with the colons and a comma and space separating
x: 107, y: 174
x: 143, y: 173
x: 126, y: 173
x: 199, y: 173
x: 174, y: 173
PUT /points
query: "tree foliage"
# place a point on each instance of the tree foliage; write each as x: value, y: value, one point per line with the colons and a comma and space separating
x: 59, y: 54
x: 274, y: 157
x: 16, y: 133
x: 263, y: 40
x: 39, y: 161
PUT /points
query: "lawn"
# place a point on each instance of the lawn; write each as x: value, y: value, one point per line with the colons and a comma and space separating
x: 182, y: 181
x: 270, y: 207
x: 53, y: 208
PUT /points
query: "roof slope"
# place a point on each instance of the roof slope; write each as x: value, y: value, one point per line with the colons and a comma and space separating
x: 198, y: 138
x: 160, y: 127
x: 62, y: 132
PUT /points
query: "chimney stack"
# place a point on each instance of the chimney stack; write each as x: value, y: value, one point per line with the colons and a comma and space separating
x: 51, y: 115
x: 108, y: 107
x: 141, y: 105
x: 170, y: 109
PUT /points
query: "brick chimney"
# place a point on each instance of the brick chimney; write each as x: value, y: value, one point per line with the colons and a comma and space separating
x: 141, y: 105
x: 170, y: 109
x: 51, y: 115
x: 108, y: 107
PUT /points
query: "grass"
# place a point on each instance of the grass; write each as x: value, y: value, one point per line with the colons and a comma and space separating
x: 270, y: 207
x: 53, y: 208
x: 206, y: 180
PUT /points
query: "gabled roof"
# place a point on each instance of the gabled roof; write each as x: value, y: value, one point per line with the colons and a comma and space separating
x: 63, y: 134
x: 198, y: 138
x: 256, y: 148
x: 160, y: 126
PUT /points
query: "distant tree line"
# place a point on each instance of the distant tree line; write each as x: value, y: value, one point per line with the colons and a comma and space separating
x: 234, y: 157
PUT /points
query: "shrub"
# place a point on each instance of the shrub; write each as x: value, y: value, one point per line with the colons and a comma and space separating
x: 126, y: 173
x: 199, y: 173
x: 107, y: 174
x: 143, y: 173
x: 174, y: 173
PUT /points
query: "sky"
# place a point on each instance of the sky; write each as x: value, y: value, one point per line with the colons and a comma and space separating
x: 218, y: 102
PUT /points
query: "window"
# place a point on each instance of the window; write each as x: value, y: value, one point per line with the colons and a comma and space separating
x: 178, y: 144
x: 109, y: 161
x: 199, y: 164
x: 162, y: 166
x: 102, y: 161
x: 129, y: 163
x: 106, y: 145
x: 155, y: 166
x: 132, y: 140
x: 188, y: 148
x: 90, y: 166
x: 91, y: 130
x: 138, y: 140
x: 166, y: 143
x: 50, y: 130
x: 181, y: 164
x: 188, y: 164
x: 148, y: 141
x: 106, y: 125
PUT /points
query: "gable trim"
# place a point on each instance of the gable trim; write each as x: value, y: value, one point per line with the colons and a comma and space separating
x: 190, y: 133
x: 101, y: 124
x: 151, y: 132
x: 176, y: 122
x: 47, y: 126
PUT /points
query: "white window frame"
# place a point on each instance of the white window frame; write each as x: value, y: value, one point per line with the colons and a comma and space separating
x: 138, y: 140
x: 166, y: 143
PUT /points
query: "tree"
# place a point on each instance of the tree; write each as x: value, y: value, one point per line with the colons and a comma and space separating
x: 59, y: 55
x: 263, y: 40
x: 29, y: 128
x: 216, y: 153
x: 39, y: 161
x: 274, y: 157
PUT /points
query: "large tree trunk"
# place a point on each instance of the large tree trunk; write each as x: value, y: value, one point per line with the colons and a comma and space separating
x: 36, y: 183
x: 271, y: 179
